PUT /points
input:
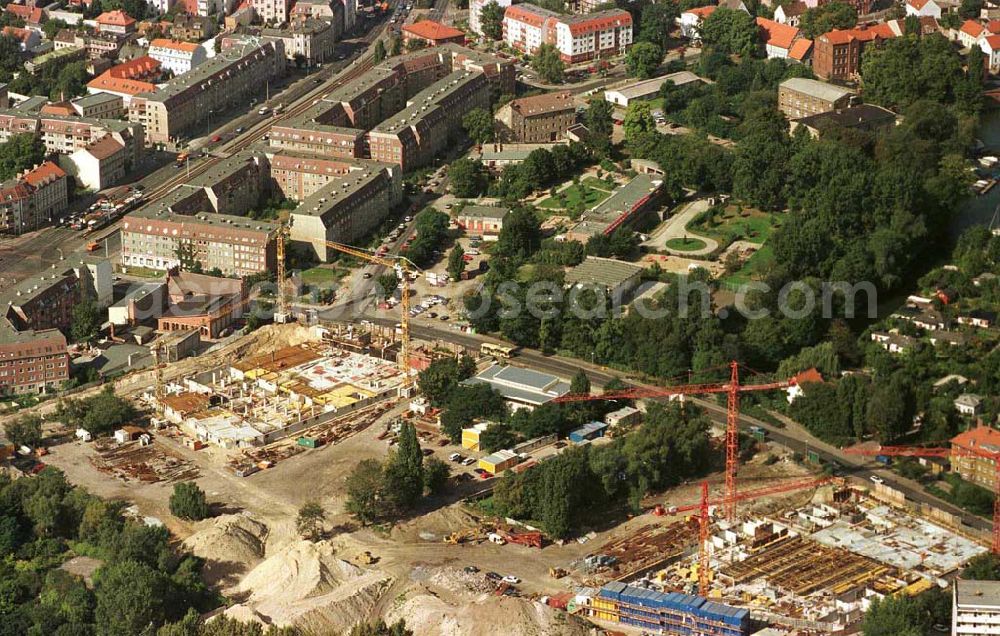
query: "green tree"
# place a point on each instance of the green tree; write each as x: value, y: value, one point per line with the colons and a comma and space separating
x: 826, y: 17
x: 366, y: 496
x: 309, y: 523
x: 478, y: 124
x: 441, y: 377
x: 730, y: 31
x: 469, y: 403
x: 101, y: 413
x: 379, y: 628
x: 385, y: 285
x: 643, y: 59
x: 894, y: 616
x: 599, y: 127
x: 657, y: 21
x: 395, y: 46
x: 547, y: 63
x: 404, y: 470
x: 983, y: 567
x: 86, y: 321
x: 19, y: 153
x: 491, y: 20
x: 468, y: 178
x: 436, y: 473
x: 970, y: 9
x: 131, y: 597
x: 638, y: 122
x: 456, y: 262
x: 24, y: 431
x: 52, y: 26
x: 520, y: 236
x: 889, y: 411
x: 188, y: 502
x: 909, y: 69
x: 379, y: 53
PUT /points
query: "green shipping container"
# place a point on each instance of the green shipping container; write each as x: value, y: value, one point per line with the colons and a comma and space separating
x: 308, y: 442
x: 814, y: 457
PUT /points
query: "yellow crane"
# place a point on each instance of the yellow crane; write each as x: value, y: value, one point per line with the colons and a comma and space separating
x: 282, y: 315
x: 406, y: 267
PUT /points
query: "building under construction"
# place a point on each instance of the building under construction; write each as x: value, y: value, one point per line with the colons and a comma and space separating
x: 671, y: 613
x: 261, y: 399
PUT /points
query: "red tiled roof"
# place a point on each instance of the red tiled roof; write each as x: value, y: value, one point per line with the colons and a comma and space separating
x: 993, y: 41
x: 881, y: 30
x: 20, y: 10
x: 809, y: 375
x: 430, y: 30
x: 17, y: 33
x: 979, y: 438
x: 838, y: 36
x: 800, y: 49
x: 115, y: 18
x: 524, y: 14
x: 44, y: 174
x: 127, y: 78
x: 17, y: 191
x: 600, y: 21
x: 971, y: 27
x: 142, y: 66
x: 703, y: 12
x: 779, y: 35
x: 59, y: 108
x: 177, y: 45
x: 993, y: 26
x: 917, y: 4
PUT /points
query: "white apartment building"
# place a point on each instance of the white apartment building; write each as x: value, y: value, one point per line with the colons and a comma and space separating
x: 176, y: 56
x: 975, y: 608
x: 577, y: 37
x: 271, y: 11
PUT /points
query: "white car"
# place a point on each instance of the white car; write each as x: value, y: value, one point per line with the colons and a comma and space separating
x: 876, y: 479
x: 454, y: 457
x: 468, y: 461
x: 511, y: 579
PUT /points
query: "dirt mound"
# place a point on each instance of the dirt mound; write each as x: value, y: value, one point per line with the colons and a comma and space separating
x: 426, y: 615
x: 230, y: 545
x: 307, y: 586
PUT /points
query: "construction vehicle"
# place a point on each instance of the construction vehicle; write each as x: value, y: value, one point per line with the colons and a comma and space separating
x: 366, y: 558
x: 475, y: 535
x: 732, y: 389
x: 953, y: 451
x: 558, y: 573
x: 530, y: 539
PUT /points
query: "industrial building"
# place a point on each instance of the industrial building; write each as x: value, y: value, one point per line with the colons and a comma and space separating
x: 801, y: 97
x: 643, y: 90
x: 623, y: 206
x: 521, y: 388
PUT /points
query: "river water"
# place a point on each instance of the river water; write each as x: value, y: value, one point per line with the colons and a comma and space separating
x: 978, y: 210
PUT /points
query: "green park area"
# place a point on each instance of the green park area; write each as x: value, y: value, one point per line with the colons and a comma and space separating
x: 321, y: 274
x: 753, y: 268
x: 583, y: 194
x: 686, y: 244
x: 732, y: 224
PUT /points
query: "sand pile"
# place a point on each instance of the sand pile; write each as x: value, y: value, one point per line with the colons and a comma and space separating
x: 306, y: 585
x: 230, y: 545
x: 428, y: 615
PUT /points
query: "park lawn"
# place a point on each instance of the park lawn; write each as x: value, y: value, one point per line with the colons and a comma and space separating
x: 756, y: 228
x: 320, y: 275
x: 597, y: 184
x: 688, y: 244
x: 574, y: 194
x: 143, y: 272
x: 754, y: 266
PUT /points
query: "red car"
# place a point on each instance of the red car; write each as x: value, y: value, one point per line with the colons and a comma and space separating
x: 467, y: 258
x: 216, y: 138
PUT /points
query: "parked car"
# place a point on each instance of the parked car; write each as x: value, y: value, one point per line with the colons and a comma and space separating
x: 470, y: 569
x: 469, y: 461
x: 876, y: 479
x: 455, y: 457
x: 493, y: 576
x: 511, y: 579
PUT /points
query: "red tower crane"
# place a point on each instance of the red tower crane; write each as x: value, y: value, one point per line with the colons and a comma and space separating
x: 732, y: 389
x: 704, y: 521
x: 921, y: 451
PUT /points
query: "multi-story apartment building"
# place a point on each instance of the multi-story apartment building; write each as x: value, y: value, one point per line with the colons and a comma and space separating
x: 97, y: 45
x: 235, y: 184
x: 159, y: 239
x: 298, y: 175
x: 537, y: 119
x: 429, y: 124
x: 272, y: 11
x: 837, y: 54
x: 967, y: 461
x: 176, y: 56
x: 347, y: 208
x: 332, y: 12
x: 476, y: 12
x: 47, y: 301
x: 800, y: 97
x: 577, y: 37
x: 975, y: 608
x: 128, y: 79
x: 99, y: 165
x: 55, y: 58
x: 99, y: 106
x: 33, y: 199
x: 312, y: 39
x: 223, y: 81
x: 31, y: 361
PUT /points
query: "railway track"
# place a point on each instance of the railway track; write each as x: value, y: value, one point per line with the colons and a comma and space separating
x: 256, y: 132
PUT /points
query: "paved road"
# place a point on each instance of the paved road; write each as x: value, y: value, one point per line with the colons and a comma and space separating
x: 676, y: 228
x: 792, y: 437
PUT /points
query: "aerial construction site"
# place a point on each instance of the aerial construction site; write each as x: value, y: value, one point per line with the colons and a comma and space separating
x: 284, y: 420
